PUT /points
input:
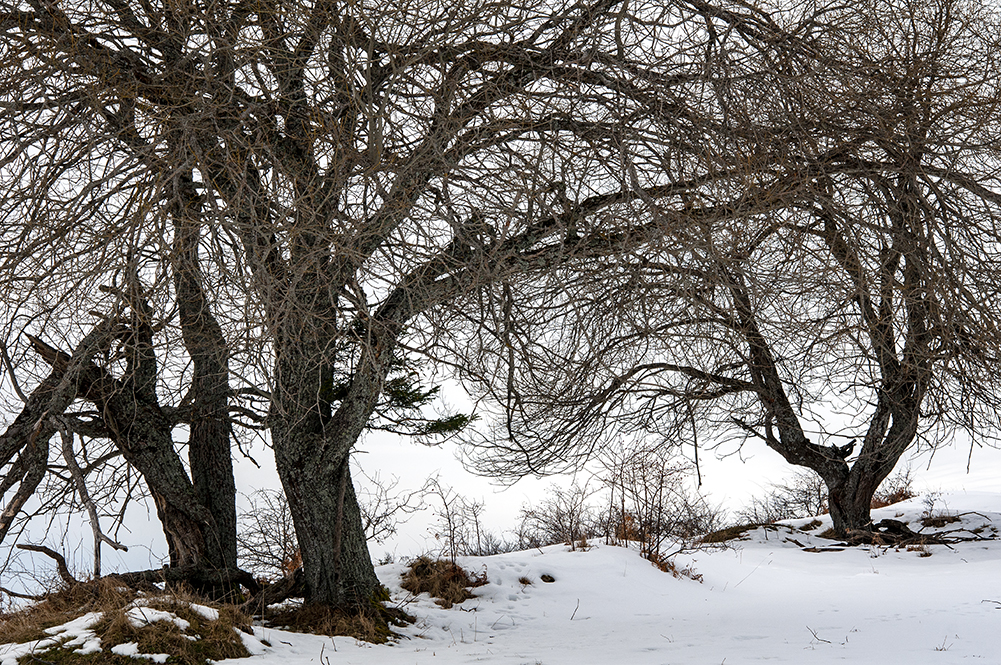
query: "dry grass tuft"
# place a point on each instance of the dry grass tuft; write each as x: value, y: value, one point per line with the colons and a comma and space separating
x: 324, y: 620
x: 939, y: 521
x: 733, y: 532
x: 371, y: 625
x: 443, y: 580
x: 213, y: 640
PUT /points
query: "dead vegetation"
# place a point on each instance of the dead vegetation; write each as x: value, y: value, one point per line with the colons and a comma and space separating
x: 667, y: 565
x: 443, y: 580
x: 736, y: 532
x: 202, y: 641
x: 372, y: 626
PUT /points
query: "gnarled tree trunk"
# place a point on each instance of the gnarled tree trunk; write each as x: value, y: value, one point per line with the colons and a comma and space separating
x: 209, y: 453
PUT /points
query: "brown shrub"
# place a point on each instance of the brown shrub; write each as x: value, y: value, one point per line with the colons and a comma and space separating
x: 894, y: 489
x: 939, y: 521
x: 668, y: 566
x: 324, y: 620
x: 449, y: 583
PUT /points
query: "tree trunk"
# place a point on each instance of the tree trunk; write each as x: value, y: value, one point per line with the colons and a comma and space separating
x: 140, y: 430
x: 337, y: 567
x: 312, y: 450
x: 209, y: 452
x: 849, y: 503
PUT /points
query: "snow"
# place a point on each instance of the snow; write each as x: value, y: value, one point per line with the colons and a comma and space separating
x: 132, y: 649
x: 73, y: 633
x: 143, y: 616
x: 209, y: 613
x: 765, y: 598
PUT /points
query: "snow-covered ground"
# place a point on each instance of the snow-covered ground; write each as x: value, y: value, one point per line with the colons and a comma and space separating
x: 764, y: 599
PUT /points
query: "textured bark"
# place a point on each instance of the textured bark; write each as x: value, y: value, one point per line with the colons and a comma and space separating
x: 337, y: 566
x: 139, y: 428
x: 27, y: 437
x: 312, y: 450
x: 209, y: 453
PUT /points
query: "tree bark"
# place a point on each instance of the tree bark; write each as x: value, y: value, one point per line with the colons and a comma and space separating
x: 312, y: 451
x: 209, y: 453
x: 28, y: 438
x: 337, y: 567
x: 139, y: 428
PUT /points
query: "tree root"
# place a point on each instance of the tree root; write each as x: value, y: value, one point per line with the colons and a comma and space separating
x: 290, y: 586
x: 197, y: 577
x: 895, y: 533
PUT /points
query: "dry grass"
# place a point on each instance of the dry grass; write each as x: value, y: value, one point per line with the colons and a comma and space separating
x: 939, y: 521
x: 369, y: 626
x: 921, y: 549
x: 668, y: 566
x: 443, y: 580
x: 214, y: 640
x: 58, y: 607
x: 733, y: 532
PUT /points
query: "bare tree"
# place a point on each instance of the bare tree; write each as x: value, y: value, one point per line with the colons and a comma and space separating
x: 805, y: 495
x: 852, y: 315
x: 304, y: 199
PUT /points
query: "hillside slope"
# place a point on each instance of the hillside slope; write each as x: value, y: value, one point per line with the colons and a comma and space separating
x: 781, y: 594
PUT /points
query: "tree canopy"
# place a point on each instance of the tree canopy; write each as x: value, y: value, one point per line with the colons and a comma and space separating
x: 853, y: 315
x: 675, y: 217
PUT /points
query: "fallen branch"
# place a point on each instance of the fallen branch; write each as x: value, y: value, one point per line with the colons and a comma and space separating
x: 25, y: 596
x: 196, y: 576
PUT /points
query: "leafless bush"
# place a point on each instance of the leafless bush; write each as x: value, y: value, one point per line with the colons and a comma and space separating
x: 650, y: 501
x: 459, y: 527
x: 564, y: 516
x: 898, y: 487
x: 803, y: 495
x: 383, y: 506
x: 267, y: 541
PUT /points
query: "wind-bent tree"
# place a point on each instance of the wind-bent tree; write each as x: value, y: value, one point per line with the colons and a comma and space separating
x: 855, y: 318
x: 299, y: 197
